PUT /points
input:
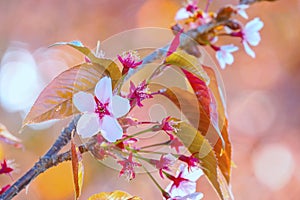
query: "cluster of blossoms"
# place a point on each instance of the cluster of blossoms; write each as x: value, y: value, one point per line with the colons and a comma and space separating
x: 105, y: 121
x: 191, y: 17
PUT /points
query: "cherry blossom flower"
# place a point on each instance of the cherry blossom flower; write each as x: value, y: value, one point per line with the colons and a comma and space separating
x: 176, y: 144
x: 129, y: 59
x: 240, y: 9
x: 101, y: 149
x: 191, y: 161
x: 100, y: 112
x: 182, y: 13
x: 3, y: 189
x: 193, y: 196
x: 127, y: 142
x: 184, y: 183
x: 251, y: 35
x: 128, y: 167
x: 167, y: 125
x: 223, y: 54
x: 138, y: 93
x: 187, y: 11
x: 6, y: 167
x: 164, y: 163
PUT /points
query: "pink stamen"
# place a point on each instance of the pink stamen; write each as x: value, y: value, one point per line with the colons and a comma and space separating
x: 101, y: 108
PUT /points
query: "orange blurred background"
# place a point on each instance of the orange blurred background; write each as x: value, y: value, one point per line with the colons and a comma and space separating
x: 262, y: 93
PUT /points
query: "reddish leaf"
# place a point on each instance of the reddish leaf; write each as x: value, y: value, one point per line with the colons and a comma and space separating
x: 55, y: 101
x: 77, y: 167
x: 8, y: 138
x: 211, y: 100
x: 189, y: 105
x: 223, y: 155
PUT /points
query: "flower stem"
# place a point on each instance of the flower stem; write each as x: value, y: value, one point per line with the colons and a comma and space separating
x: 207, y: 5
x: 164, y: 193
x: 155, y: 145
x: 133, y: 135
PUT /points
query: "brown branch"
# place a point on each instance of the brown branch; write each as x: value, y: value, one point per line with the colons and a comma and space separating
x: 252, y: 1
x: 50, y: 159
x: 188, y: 42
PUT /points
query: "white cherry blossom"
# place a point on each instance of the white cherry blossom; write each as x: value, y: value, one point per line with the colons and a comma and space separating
x: 224, y: 55
x: 241, y: 10
x: 100, y: 112
x: 250, y: 35
x: 184, y: 184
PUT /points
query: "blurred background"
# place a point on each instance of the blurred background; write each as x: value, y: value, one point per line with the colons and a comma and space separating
x: 262, y: 93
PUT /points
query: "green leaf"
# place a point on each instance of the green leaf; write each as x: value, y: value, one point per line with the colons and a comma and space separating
x: 55, y: 101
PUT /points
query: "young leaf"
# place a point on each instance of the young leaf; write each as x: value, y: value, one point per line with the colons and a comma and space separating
x: 187, y: 62
x: 77, y: 167
x: 201, y: 149
x: 116, y: 195
x: 184, y: 100
x: 55, y: 101
x: 111, y: 67
x: 205, y: 85
x: 223, y: 155
x: 8, y: 138
x: 193, y: 110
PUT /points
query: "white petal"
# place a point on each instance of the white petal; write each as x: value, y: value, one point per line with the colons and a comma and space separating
x: 193, y: 196
x: 254, y: 25
x: 193, y: 175
x: 253, y: 38
x: 243, y: 14
x: 243, y: 6
x: 168, y: 188
x: 120, y: 106
x: 248, y: 50
x: 220, y: 59
x: 182, y: 14
x: 228, y: 58
x: 185, y: 188
x: 103, y: 89
x: 229, y: 48
x: 111, y: 129
x: 84, y: 102
x: 88, y: 125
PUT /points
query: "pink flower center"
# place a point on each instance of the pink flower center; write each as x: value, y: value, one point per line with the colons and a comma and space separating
x: 178, y: 180
x: 101, y: 108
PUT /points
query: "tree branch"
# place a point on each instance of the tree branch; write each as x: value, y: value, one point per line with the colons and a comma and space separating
x: 50, y: 159
x: 252, y: 1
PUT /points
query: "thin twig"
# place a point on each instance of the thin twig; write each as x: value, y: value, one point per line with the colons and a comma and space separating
x: 44, y: 162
